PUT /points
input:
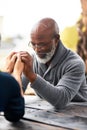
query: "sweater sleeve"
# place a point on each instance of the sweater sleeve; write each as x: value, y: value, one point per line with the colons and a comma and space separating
x: 11, y: 103
x: 67, y: 87
x: 15, y: 110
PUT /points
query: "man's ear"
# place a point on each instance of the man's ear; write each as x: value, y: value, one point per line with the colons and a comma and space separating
x: 57, y: 37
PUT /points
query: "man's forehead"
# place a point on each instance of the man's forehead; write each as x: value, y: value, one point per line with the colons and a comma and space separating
x: 41, y: 35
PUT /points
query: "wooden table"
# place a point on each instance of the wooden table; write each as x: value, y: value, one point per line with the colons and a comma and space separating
x: 26, y: 125
x: 40, y: 115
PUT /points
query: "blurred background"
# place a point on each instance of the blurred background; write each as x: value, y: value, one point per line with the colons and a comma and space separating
x: 18, y: 16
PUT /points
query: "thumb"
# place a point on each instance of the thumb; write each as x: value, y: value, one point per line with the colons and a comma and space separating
x: 18, y: 57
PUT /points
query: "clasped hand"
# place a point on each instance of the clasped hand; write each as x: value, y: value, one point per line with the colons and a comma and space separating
x: 18, y: 62
x: 13, y: 64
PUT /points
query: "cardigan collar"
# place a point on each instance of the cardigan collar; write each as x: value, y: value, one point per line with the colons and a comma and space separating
x: 58, y: 57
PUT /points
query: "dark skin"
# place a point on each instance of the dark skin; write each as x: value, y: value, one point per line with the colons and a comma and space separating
x: 39, y: 35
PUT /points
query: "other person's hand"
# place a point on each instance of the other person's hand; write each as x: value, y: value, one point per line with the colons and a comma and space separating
x: 10, y: 62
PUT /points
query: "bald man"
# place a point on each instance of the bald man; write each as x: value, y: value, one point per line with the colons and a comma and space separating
x: 53, y: 71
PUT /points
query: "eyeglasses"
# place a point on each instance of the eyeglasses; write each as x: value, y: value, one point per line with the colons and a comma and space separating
x: 40, y: 45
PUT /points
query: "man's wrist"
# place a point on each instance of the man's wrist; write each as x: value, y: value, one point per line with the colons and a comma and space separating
x: 32, y: 78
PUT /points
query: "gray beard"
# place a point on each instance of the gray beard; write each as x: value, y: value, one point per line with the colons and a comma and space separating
x: 48, y: 56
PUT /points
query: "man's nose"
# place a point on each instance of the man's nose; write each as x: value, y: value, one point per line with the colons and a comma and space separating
x: 37, y: 48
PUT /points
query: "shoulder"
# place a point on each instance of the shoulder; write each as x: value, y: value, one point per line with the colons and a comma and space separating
x: 6, y: 78
x: 74, y: 61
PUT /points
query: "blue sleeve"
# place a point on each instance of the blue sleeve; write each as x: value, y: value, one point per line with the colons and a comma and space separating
x: 11, y: 101
x: 15, y: 110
